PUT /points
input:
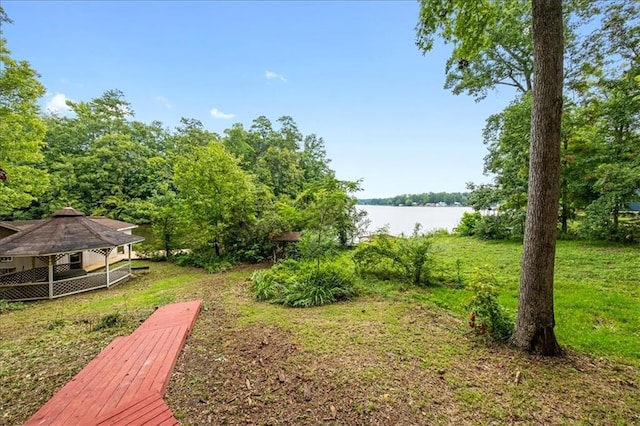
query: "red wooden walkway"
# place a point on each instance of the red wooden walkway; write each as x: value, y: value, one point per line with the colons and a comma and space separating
x: 125, y: 383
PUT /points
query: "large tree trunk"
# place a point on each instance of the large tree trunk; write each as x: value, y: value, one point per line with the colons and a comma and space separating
x: 535, y: 320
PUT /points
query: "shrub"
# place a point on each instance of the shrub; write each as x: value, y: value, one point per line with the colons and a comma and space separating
x: 317, y: 245
x: 304, y: 284
x: 204, y: 258
x: 486, y: 315
x: 255, y: 253
x: 386, y: 256
x: 469, y: 223
x: 507, y: 224
x: 598, y: 224
x: 496, y: 227
x: 368, y: 260
x: 305, y: 293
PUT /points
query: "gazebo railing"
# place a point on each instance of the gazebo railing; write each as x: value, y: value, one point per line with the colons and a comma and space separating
x: 79, y: 284
x: 28, y: 276
x: 117, y: 275
x: 34, y: 275
x: 22, y: 291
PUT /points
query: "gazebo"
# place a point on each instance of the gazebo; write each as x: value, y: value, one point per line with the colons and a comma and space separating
x: 50, y: 254
x: 281, y: 241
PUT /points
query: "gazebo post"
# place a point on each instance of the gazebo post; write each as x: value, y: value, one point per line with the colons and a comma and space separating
x: 130, y: 248
x: 106, y: 264
x: 50, y: 276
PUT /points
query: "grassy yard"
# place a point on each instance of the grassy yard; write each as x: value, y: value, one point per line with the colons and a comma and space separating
x: 597, y: 290
x: 397, y: 355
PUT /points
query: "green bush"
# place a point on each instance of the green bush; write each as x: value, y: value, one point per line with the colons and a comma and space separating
x: 507, y: 224
x: 255, y: 253
x: 486, y: 316
x: 469, y: 223
x: 598, y: 224
x: 304, y: 284
x: 496, y: 227
x: 328, y: 284
x: 204, y: 258
x: 317, y: 245
x: 389, y: 257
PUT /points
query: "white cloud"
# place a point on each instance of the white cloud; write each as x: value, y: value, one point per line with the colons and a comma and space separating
x: 270, y: 75
x: 216, y: 113
x: 58, y: 104
x: 163, y: 101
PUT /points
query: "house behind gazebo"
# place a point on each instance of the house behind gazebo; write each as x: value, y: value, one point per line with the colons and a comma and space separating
x: 66, y: 254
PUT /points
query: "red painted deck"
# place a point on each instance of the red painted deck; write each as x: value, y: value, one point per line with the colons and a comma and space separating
x: 124, y: 384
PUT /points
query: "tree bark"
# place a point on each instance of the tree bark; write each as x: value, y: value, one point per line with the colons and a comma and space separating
x: 535, y: 320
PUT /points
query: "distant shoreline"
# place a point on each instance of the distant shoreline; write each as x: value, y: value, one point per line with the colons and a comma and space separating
x: 426, y: 199
x: 418, y: 205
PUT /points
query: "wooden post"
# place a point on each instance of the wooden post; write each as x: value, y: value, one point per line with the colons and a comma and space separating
x: 51, y: 276
x: 130, y: 248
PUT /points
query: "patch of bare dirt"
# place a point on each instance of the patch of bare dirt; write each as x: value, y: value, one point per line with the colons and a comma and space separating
x: 255, y: 375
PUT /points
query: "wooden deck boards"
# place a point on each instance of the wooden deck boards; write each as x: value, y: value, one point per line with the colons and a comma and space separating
x: 124, y: 384
x: 149, y: 409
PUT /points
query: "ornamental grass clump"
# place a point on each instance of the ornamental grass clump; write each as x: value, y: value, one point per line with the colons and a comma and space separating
x: 304, y: 284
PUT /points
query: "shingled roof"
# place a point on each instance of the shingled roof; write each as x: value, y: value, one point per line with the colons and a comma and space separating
x: 287, y: 237
x: 68, y: 230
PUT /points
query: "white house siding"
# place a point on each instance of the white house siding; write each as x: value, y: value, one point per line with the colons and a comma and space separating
x: 17, y: 263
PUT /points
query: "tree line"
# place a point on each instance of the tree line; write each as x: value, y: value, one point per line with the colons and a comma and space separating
x: 449, y: 198
x: 222, y: 196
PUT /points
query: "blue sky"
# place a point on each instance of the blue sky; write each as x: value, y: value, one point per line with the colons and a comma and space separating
x: 347, y: 71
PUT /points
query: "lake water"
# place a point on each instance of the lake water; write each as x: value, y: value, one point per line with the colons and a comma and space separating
x: 403, y: 219
x: 400, y: 219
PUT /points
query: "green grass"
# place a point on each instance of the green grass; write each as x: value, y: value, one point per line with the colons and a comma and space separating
x: 396, y: 346
x: 596, y: 293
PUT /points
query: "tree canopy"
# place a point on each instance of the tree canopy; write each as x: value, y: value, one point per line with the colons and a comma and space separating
x: 21, y: 131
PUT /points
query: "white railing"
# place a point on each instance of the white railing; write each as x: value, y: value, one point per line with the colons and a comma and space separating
x: 21, y: 291
x: 119, y: 274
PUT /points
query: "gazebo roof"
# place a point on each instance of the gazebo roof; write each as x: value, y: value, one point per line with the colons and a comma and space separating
x: 68, y: 230
x: 287, y: 237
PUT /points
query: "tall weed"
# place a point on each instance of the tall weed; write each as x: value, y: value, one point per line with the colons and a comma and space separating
x: 486, y: 316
